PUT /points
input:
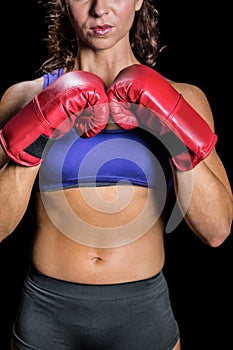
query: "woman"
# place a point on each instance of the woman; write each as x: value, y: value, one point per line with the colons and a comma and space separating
x: 94, y: 145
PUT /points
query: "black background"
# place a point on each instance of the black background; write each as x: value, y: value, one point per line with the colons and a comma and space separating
x: 198, y: 39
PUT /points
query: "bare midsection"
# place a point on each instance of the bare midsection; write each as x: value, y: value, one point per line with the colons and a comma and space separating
x: 99, y: 235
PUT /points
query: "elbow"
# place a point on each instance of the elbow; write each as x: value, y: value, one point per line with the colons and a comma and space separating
x: 7, y: 228
x: 215, y: 242
x: 220, y: 233
x: 4, y: 233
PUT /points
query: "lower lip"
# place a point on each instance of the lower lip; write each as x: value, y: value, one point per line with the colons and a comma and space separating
x: 101, y: 31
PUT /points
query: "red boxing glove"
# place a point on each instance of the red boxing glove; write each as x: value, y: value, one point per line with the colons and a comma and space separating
x: 75, y: 99
x: 139, y: 96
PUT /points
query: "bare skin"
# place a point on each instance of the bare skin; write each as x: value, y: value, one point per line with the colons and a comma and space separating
x: 57, y: 255
x: 140, y: 254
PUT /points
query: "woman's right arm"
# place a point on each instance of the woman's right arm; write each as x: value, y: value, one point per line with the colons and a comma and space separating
x: 51, y: 115
x: 15, y: 190
x: 16, y: 181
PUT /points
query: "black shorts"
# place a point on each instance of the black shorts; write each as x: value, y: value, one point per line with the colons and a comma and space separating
x: 56, y: 314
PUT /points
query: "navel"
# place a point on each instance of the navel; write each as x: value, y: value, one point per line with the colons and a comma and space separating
x: 96, y: 259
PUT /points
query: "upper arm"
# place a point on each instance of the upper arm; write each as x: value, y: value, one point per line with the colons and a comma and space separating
x: 17, y: 96
x: 198, y: 100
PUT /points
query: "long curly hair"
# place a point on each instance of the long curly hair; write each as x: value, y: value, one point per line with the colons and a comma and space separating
x: 62, y: 45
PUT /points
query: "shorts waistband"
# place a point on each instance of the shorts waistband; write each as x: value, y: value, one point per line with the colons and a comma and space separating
x: 94, y: 291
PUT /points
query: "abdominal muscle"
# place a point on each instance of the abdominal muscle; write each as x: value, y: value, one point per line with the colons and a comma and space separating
x: 99, y: 235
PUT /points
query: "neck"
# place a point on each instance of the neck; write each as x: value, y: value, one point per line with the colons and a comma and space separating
x: 104, y: 63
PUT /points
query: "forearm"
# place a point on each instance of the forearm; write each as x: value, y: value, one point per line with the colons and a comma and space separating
x: 16, y: 184
x: 206, y: 203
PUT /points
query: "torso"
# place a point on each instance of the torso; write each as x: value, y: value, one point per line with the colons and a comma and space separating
x: 106, y: 234
x: 132, y: 255
x: 129, y: 247
x: 101, y: 232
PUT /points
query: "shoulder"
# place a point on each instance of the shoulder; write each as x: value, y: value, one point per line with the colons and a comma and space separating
x: 196, y: 98
x: 17, y: 96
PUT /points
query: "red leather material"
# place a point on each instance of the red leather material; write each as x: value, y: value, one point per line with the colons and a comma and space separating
x: 76, y: 99
x: 140, y: 96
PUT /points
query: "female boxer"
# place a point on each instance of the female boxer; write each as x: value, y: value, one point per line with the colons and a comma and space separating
x: 99, y: 142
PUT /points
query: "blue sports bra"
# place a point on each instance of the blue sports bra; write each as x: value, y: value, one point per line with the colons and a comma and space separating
x: 111, y: 157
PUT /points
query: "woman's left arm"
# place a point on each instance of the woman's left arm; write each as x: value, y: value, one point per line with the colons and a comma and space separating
x: 204, y: 193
